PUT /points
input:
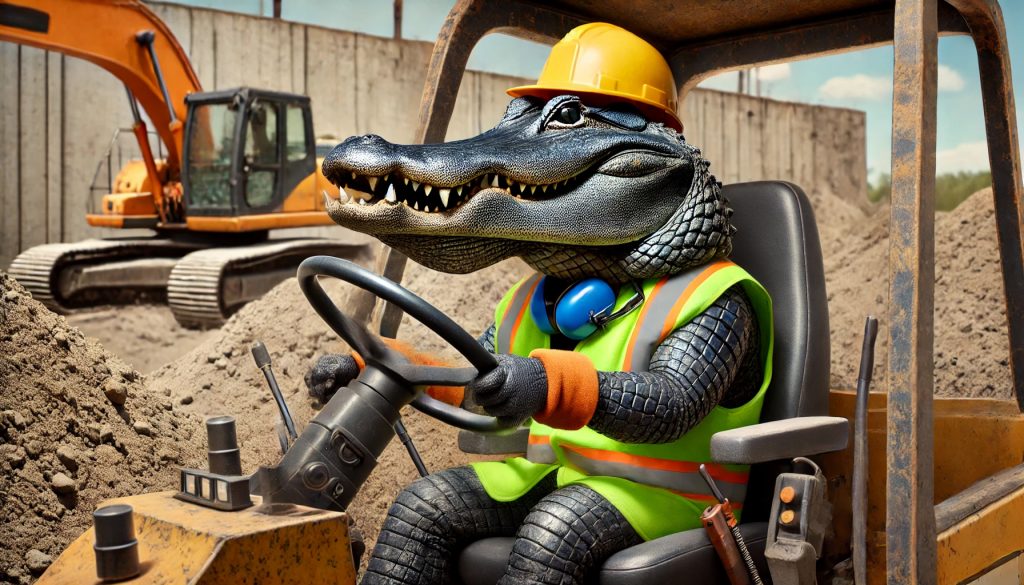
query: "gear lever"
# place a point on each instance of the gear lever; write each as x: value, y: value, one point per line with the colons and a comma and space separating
x: 262, y: 357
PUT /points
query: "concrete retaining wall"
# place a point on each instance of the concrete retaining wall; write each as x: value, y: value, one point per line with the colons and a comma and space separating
x: 57, y: 114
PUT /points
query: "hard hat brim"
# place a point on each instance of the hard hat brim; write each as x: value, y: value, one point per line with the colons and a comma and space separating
x: 654, y: 111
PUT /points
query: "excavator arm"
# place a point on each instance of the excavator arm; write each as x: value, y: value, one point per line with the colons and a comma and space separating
x: 126, y: 39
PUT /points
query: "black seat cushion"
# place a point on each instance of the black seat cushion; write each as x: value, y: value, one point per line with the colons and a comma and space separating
x: 777, y: 242
x: 663, y: 560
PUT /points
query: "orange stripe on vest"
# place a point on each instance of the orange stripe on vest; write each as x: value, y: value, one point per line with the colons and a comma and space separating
x: 626, y: 361
x: 718, y: 472
x: 519, y: 317
x: 670, y: 321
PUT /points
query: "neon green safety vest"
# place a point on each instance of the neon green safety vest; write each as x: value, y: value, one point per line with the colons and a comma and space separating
x: 656, y: 486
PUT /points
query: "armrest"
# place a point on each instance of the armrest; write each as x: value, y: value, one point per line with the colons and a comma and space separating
x: 483, y: 444
x: 780, y: 439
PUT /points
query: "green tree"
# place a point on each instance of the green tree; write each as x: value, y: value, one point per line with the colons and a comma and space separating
x: 951, y: 189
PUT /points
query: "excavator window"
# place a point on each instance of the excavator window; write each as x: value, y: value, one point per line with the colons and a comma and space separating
x: 295, y: 146
x: 211, y: 146
x: 261, y: 155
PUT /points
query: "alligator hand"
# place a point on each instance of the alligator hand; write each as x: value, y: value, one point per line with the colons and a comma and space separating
x: 514, y: 391
x: 330, y: 372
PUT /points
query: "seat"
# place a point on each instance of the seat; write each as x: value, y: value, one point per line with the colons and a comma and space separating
x: 777, y: 241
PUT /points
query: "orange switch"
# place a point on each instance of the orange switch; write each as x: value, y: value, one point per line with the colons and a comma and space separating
x: 787, y: 495
x: 787, y: 516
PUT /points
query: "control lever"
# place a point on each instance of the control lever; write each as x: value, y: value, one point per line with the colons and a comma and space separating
x: 262, y: 357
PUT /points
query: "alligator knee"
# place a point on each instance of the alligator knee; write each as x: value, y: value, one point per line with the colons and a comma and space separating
x: 565, y: 535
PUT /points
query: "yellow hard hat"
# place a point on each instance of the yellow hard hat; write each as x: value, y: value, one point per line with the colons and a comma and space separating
x: 606, y: 64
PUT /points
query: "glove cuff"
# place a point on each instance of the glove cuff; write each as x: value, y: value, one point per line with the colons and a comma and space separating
x: 572, y: 388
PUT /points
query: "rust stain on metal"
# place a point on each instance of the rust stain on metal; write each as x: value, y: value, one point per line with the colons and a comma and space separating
x: 184, y: 543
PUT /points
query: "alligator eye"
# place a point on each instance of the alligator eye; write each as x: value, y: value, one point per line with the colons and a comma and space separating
x: 569, y: 113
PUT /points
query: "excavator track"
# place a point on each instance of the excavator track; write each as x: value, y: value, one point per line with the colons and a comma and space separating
x: 207, y: 286
x: 68, y: 276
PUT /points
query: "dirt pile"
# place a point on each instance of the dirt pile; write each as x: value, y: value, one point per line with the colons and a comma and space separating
x: 145, y: 336
x: 971, y: 347
x: 77, y: 426
x: 219, y: 377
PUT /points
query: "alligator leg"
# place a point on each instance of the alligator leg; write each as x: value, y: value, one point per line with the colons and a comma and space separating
x: 568, y: 532
x: 434, y: 517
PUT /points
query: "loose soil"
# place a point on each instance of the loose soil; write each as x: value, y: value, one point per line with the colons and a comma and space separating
x: 77, y: 426
x: 53, y: 377
x: 145, y: 336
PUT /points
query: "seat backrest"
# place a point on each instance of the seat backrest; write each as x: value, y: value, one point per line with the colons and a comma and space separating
x: 777, y: 241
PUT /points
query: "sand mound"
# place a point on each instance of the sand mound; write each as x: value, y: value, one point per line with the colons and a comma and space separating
x: 219, y: 376
x: 144, y: 336
x: 77, y: 426
x: 971, y: 346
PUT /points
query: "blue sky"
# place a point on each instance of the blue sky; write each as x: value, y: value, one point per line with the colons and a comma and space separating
x: 861, y: 80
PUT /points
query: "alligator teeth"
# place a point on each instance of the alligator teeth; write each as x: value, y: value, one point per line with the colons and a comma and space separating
x: 533, y: 189
x: 416, y: 205
x: 494, y: 181
x: 362, y: 202
x: 427, y: 189
x: 353, y: 194
x: 444, y: 196
x: 391, y: 197
x: 373, y: 183
x: 343, y: 196
x: 415, y: 185
x: 354, y: 175
x: 458, y: 191
x: 405, y: 180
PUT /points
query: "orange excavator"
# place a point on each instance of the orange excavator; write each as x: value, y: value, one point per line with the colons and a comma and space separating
x: 239, y: 163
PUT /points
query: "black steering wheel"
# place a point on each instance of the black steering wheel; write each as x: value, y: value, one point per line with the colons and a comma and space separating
x: 374, y: 351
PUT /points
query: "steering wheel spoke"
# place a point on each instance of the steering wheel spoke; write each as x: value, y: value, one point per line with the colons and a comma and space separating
x: 435, y: 375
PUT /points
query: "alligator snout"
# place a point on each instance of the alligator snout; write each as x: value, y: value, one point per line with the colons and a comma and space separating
x: 535, y: 180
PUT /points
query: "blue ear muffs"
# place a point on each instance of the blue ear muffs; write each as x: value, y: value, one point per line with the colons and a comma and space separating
x: 573, y: 313
x: 539, y: 309
x: 577, y: 305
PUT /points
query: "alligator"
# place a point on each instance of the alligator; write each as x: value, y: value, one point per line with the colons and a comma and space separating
x: 577, y: 191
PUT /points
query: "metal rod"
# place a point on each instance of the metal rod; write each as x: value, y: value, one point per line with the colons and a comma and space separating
x: 145, y: 38
x: 860, y: 454
x: 403, y: 436
x: 711, y: 484
x: 136, y: 116
x: 910, y: 513
x: 989, y: 35
x: 262, y: 357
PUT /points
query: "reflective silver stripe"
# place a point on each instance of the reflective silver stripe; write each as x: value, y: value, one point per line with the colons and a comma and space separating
x: 540, y: 453
x: 508, y: 320
x: 652, y: 321
x: 685, y: 482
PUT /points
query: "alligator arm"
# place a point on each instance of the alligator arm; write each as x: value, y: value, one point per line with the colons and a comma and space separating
x: 712, y: 360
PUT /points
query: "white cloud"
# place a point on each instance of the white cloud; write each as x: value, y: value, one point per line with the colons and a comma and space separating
x: 967, y: 156
x: 776, y: 72
x: 949, y: 79
x: 857, y: 87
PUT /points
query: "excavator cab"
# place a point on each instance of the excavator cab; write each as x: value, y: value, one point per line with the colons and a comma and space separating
x: 246, y: 150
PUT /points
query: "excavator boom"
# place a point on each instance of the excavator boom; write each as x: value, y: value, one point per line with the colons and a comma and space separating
x: 114, y: 35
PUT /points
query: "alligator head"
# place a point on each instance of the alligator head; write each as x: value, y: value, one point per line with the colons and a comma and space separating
x: 573, y: 190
